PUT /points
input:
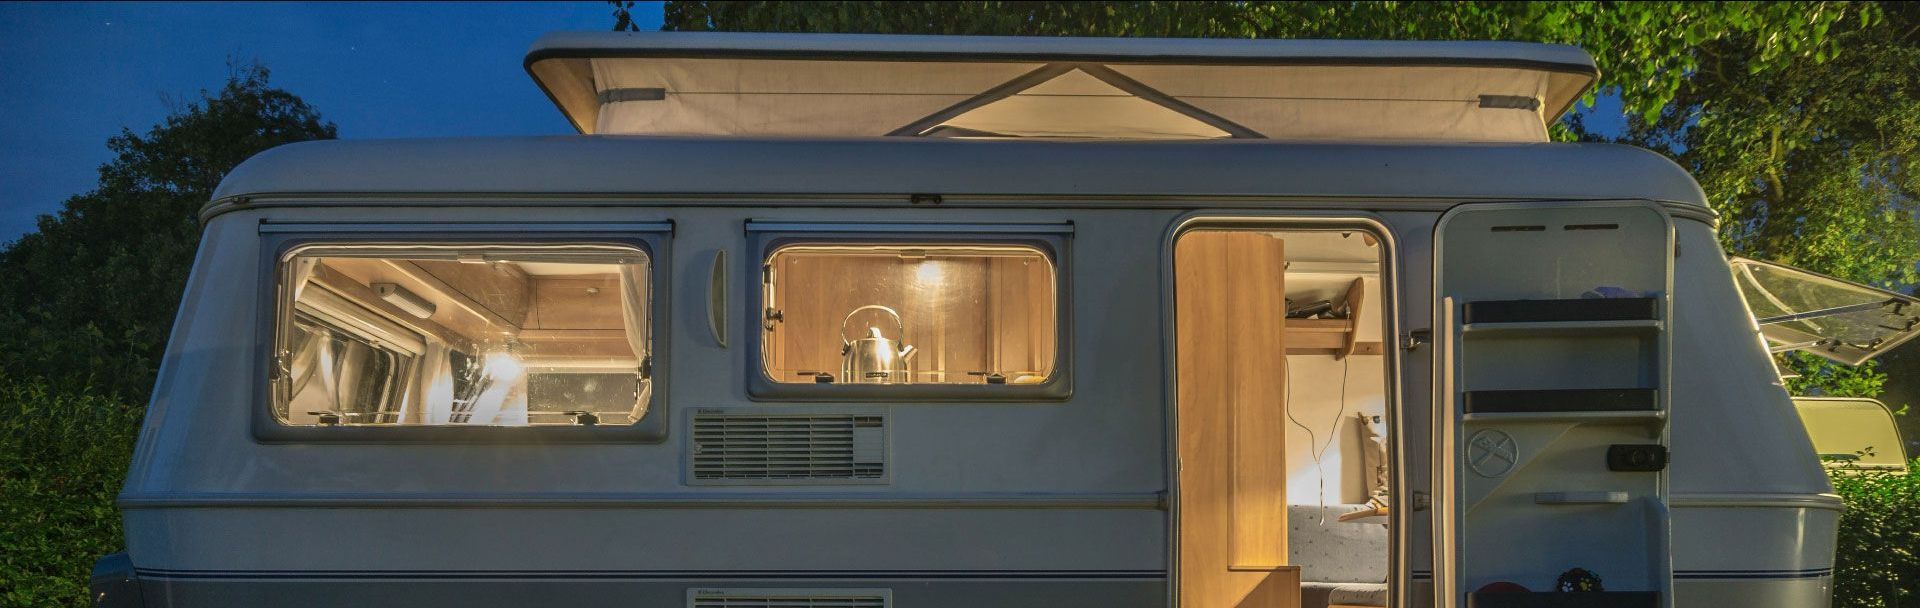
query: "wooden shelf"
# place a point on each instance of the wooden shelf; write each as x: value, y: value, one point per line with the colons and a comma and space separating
x: 1337, y: 337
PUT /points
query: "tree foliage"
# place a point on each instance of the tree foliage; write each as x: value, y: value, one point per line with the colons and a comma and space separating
x: 63, y: 455
x: 1878, y: 561
x: 1811, y: 161
x: 90, y: 297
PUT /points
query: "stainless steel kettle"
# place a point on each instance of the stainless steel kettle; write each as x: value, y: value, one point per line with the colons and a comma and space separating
x: 874, y: 359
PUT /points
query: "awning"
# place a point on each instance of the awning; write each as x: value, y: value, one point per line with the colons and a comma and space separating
x: 1840, y: 320
x: 934, y: 86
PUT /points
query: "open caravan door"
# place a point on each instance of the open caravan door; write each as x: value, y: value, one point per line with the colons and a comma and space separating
x: 1552, y: 379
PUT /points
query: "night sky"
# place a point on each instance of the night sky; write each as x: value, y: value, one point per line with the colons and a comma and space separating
x: 72, y: 75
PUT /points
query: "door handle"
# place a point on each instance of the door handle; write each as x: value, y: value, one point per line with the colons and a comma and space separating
x: 1580, y: 498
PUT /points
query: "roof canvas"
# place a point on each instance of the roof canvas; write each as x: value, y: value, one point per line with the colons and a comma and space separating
x: 801, y: 85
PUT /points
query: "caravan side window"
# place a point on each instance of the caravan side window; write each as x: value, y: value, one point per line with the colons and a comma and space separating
x: 454, y: 335
x: 844, y: 315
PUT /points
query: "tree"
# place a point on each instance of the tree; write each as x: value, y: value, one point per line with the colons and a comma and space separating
x: 1810, y: 162
x: 90, y: 297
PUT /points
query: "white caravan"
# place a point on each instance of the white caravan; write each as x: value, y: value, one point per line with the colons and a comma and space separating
x: 872, y: 321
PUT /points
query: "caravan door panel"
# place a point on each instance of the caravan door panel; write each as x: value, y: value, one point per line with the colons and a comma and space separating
x: 1552, y: 376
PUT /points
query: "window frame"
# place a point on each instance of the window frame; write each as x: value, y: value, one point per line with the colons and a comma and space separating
x: 278, y: 243
x: 764, y: 238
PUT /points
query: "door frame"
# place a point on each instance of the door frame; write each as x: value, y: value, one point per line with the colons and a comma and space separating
x: 1399, y: 563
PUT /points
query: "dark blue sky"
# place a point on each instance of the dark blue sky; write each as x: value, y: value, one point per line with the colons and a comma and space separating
x: 72, y: 75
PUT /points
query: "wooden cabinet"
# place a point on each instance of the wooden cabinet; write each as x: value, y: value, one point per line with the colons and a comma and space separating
x: 1232, y: 332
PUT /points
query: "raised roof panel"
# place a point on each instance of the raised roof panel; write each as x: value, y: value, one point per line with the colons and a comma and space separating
x: 836, y: 85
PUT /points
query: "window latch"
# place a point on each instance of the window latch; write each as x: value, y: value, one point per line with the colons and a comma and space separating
x: 280, y: 367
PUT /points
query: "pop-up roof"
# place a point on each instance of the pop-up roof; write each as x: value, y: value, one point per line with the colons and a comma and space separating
x: 958, y: 86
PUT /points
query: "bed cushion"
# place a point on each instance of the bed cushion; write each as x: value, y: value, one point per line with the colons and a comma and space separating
x: 1320, y: 595
x: 1334, y: 552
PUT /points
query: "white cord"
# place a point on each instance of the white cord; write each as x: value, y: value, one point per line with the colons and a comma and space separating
x: 1314, y: 446
x: 1286, y: 404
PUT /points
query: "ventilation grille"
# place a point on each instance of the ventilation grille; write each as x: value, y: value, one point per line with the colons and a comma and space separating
x: 783, y: 449
x: 788, y: 598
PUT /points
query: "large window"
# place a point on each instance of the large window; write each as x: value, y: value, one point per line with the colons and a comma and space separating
x: 909, y: 314
x: 451, y: 335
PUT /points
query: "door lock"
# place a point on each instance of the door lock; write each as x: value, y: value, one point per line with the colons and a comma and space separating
x: 1641, y: 457
x: 1416, y: 338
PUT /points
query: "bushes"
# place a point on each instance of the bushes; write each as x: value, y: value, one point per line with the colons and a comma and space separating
x: 62, y: 460
x: 1879, y: 556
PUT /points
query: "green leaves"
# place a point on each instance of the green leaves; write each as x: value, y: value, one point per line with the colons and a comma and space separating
x: 1878, y: 562
x: 63, y: 457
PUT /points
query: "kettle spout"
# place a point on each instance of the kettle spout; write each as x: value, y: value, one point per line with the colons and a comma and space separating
x: 907, y: 352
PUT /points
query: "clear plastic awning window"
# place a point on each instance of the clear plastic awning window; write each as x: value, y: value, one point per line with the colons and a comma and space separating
x: 1840, y: 320
x: 932, y: 86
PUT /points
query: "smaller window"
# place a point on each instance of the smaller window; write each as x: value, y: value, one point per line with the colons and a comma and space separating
x: 463, y: 335
x: 909, y: 313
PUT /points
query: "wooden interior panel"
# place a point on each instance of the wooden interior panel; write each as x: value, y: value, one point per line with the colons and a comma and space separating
x: 328, y: 276
x: 1255, y: 338
x: 559, y: 320
x: 576, y: 347
x: 1022, y: 313
x: 501, y: 289
x: 576, y: 302
x: 972, y: 314
x: 453, y: 310
x: 1356, y: 301
x: 1318, y: 334
x: 1230, y: 353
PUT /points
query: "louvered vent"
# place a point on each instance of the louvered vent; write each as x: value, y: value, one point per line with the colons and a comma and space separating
x: 785, y: 449
x: 788, y: 598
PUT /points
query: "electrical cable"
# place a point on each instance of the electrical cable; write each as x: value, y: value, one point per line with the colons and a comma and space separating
x: 1315, y: 448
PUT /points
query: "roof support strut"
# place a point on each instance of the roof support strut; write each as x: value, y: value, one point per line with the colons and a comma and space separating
x: 1053, y: 70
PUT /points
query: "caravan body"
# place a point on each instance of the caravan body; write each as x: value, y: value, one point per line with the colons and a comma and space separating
x: 587, y: 369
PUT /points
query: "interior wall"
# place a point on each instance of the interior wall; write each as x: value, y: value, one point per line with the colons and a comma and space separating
x: 1316, y: 381
x: 961, y: 314
x: 1315, y: 403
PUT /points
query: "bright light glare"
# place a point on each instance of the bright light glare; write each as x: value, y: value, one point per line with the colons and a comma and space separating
x: 502, y: 366
x: 929, y: 271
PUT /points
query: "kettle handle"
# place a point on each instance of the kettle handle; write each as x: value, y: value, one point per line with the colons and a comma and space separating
x: 901, y: 326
